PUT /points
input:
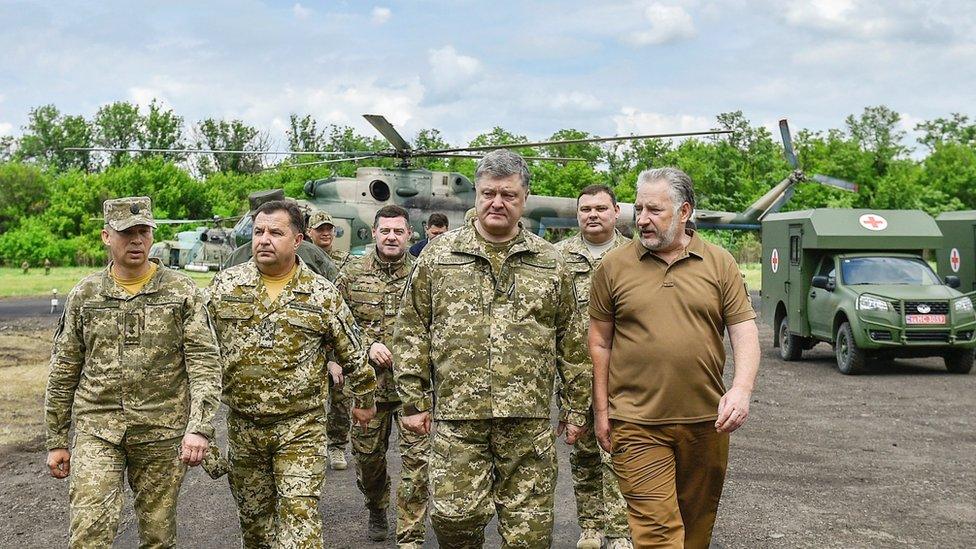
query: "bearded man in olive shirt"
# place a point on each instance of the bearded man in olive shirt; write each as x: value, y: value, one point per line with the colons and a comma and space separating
x: 659, y: 308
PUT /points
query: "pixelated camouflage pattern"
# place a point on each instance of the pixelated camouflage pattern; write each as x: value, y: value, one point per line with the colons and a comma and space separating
x: 491, y: 346
x: 373, y: 290
x: 339, y: 411
x: 481, y: 467
x: 340, y: 258
x: 155, y: 474
x: 319, y: 217
x: 372, y: 477
x: 313, y: 256
x: 122, y: 213
x: 145, y: 366
x: 599, y: 503
x: 276, y: 474
x: 274, y: 351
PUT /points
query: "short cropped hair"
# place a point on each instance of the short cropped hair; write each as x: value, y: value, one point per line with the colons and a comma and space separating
x: 596, y: 189
x: 295, y: 216
x: 390, y: 211
x: 437, y: 220
x: 681, y: 188
x: 502, y: 163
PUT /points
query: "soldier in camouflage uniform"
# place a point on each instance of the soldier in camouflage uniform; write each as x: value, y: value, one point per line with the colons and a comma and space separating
x: 316, y: 259
x: 488, y: 320
x: 136, y: 362
x: 372, y: 287
x: 275, y: 319
x: 600, y: 507
x: 321, y: 229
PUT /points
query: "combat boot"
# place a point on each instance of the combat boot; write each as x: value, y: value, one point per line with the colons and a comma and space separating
x: 377, y: 528
x: 590, y: 539
x: 337, y: 459
x: 619, y: 543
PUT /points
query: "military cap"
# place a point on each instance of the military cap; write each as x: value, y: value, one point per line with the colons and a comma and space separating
x: 257, y: 198
x: 319, y: 218
x: 122, y: 213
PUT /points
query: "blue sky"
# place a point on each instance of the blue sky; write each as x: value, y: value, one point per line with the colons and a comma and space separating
x: 465, y: 66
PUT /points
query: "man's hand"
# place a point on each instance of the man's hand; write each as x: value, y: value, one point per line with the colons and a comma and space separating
x: 418, y: 423
x: 335, y: 372
x: 362, y: 416
x: 193, y: 449
x: 601, y: 428
x: 380, y: 355
x: 573, y: 432
x: 733, y: 409
x: 59, y: 462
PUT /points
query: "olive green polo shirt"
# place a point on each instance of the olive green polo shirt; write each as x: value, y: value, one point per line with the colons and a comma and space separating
x: 667, y: 358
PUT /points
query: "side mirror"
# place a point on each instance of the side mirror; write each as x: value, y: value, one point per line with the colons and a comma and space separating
x: 952, y: 281
x: 823, y: 283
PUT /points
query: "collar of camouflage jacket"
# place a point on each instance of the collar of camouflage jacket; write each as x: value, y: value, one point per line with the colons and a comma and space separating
x: 578, y: 247
x: 301, y: 283
x: 466, y: 242
x: 372, y: 261
x: 112, y: 290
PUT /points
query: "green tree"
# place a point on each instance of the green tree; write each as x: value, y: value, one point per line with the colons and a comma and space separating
x: 48, y: 133
x: 876, y: 131
x: 232, y: 135
x: 162, y: 129
x: 118, y: 125
x: 957, y: 129
x: 23, y: 193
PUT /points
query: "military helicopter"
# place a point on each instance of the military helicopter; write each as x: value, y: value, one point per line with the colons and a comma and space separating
x: 201, y: 249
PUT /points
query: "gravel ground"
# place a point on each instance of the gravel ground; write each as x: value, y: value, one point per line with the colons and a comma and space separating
x: 884, y: 459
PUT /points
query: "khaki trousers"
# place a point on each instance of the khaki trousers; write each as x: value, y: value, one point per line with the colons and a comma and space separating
x: 671, y: 477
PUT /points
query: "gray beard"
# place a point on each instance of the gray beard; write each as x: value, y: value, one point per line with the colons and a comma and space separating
x: 664, y: 240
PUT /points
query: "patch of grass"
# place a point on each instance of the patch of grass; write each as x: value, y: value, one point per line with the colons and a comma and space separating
x: 753, y: 274
x: 14, y: 283
x: 23, y: 376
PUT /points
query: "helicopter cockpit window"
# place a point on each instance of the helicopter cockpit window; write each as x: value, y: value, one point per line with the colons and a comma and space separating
x: 339, y: 231
x: 379, y: 190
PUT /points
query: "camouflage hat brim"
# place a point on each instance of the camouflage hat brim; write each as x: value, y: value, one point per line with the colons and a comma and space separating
x: 132, y: 221
x: 320, y: 223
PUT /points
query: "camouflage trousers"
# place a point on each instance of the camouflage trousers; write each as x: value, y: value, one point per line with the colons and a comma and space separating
x: 599, y: 503
x: 276, y: 474
x: 155, y: 474
x: 481, y: 467
x: 369, y: 449
x: 339, y: 413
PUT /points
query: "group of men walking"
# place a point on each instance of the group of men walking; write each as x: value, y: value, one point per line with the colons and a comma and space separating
x: 461, y: 350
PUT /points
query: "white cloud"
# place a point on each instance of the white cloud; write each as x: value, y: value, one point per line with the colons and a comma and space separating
x: 667, y: 24
x: 634, y: 121
x: 451, y: 73
x: 575, y: 101
x: 381, y: 15
x: 6, y: 128
x: 890, y: 20
x: 301, y: 12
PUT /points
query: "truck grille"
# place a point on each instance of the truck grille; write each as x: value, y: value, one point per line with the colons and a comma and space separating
x: 928, y: 335
x: 936, y: 307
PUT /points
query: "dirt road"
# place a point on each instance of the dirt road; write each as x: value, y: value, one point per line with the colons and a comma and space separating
x: 886, y: 459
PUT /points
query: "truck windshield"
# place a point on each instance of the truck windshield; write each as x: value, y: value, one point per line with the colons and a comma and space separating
x: 887, y: 270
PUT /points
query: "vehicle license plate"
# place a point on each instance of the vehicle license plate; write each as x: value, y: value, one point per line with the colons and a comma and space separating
x: 925, y: 319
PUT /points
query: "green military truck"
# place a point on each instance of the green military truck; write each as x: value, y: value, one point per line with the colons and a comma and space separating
x: 957, y: 254
x: 856, y: 279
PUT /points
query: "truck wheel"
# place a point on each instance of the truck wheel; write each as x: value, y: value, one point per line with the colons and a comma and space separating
x: 850, y: 359
x: 790, y: 346
x: 959, y: 362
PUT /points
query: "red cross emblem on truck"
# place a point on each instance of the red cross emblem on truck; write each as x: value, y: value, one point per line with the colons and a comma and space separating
x: 873, y: 222
x: 774, y: 260
x: 954, y: 260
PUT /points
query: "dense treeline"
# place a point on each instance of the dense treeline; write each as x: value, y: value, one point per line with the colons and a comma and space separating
x: 50, y: 196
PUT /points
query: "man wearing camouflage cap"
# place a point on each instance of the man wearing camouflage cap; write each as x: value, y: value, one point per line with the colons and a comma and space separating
x: 321, y: 229
x: 316, y: 259
x: 136, y: 362
x: 276, y: 320
x: 482, y: 355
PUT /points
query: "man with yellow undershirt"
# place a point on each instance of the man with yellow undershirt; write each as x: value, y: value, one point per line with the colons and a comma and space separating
x: 275, y: 320
x: 136, y: 362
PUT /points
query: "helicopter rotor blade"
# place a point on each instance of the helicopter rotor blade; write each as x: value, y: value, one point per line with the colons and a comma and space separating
x: 575, y: 141
x: 320, y: 162
x: 784, y: 131
x: 834, y: 182
x: 214, y: 151
x: 387, y: 130
x: 479, y: 156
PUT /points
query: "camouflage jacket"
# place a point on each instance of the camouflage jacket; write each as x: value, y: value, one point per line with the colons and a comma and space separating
x: 143, y: 366
x: 274, y: 351
x: 373, y: 289
x: 582, y: 265
x: 313, y: 256
x: 340, y: 258
x: 490, y: 347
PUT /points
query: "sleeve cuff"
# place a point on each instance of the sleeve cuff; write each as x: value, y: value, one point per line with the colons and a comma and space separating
x: 57, y: 441
x: 364, y: 401
x: 740, y: 317
x: 572, y: 417
x: 599, y: 315
x: 413, y: 408
x: 201, y: 429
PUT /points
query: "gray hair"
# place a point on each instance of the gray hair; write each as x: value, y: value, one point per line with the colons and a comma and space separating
x: 679, y: 184
x: 502, y: 163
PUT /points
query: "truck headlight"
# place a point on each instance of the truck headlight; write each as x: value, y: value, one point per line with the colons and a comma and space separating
x: 964, y: 304
x: 871, y: 303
